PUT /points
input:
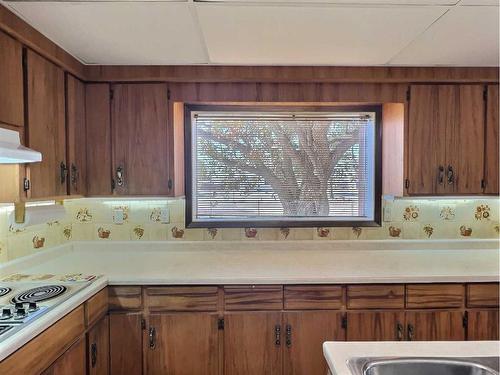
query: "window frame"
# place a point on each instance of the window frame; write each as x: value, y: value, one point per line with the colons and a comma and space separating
x: 281, y: 223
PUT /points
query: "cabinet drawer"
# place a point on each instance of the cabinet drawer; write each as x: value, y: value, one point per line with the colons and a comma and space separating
x: 125, y: 297
x: 420, y: 296
x: 309, y: 297
x: 375, y: 297
x: 195, y: 298
x: 482, y: 295
x: 96, y: 307
x: 253, y: 297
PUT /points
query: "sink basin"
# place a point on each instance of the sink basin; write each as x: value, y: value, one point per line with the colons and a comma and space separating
x: 425, y: 366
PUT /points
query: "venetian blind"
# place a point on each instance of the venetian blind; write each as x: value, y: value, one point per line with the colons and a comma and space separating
x: 298, y: 166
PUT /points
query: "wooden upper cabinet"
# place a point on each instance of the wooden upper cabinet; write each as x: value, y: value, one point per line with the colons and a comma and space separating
x: 446, y: 139
x: 11, y: 78
x: 76, y: 135
x: 492, y: 150
x: 140, y: 153
x: 98, y: 136
x: 46, y: 126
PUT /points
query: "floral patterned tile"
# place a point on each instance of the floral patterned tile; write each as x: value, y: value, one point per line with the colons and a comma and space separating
x: 138, y: 232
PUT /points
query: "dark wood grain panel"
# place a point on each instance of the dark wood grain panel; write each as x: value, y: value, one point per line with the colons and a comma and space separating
x: 192, y: 298
x: 125, y: 343
x: 420, y: 296
x: 375, y: 326
x: 492, y: 135
x: 76, y: 136
x: 98, y: 127
x: 483, y: 325
x: 98, y: 337
x: 483, y: 295
x: 73, y: 361
x: 309, y: 297
x: 375, y: 296
x: 124, y: 297
x: 253, y: 297
x: 435, y: 326
x: 96, y: 307
x: 11, y: 76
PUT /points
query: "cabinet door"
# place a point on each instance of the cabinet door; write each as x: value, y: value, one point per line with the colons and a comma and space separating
x: 46, y: 126
x: 98, y: 135
x: 482, y: 325
x: 375, y: 326
x: 139, y: 123
x: 11, y: 76
x: 304, y: 334
x: 71, y: 362
x: 183, y: 344
x: 492, y: 151
x: 125, y: 343
x: 435, y: 326
x: 76, y: 135
x: 253, y: 343
x: 98, y: 348
x: 426, y: 138
x: 465, y: 149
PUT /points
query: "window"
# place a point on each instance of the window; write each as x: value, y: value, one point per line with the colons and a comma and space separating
x: 282, y: 166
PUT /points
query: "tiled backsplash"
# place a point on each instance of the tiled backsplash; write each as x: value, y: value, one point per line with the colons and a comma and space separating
x: 92, y: 219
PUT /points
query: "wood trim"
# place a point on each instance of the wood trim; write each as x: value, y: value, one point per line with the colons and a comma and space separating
x: 224, y: 73
x: 124, y: 297
x: 310, y: 297
x: 191, y: 298
x: 253, y: 297
x: 375, y: 296
x: 423, y: 296
x: 483, y: 295
x: 29, y: 36
x: 96, y: 307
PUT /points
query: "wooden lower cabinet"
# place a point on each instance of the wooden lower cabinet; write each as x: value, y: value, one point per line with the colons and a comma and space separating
x: 125, y: 343
x: 444, y: 325
x: 375, y: 326
x: 182, y: 344
x: 71, y: 362
x: 98, y: 348
x: 253, y: 343
x: 304, y: 334
x: 482, y: 325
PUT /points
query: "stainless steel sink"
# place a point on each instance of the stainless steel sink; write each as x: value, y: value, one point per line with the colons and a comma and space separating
x: 425, y: 366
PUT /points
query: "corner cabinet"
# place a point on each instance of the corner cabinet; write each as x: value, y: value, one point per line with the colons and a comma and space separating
x: 446, y: 139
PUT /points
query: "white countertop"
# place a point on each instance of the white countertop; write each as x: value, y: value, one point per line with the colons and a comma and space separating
x: 338, y: 353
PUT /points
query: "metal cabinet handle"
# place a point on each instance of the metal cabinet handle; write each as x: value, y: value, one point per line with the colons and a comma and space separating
x: 399, y: 331
x: 450, y: 175
x: 63, y: 172
x: 411, y: 332
x: 120, y: 176
x: 93, y: 354
x: 277, y: 335
x: 74, y: 174
x: 288, y: 336
x: 440, y: 175
x: 152, y: 338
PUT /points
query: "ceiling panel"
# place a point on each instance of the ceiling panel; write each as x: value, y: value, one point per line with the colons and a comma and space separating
x: 349, y: 2
x: 119, y: 33
x: 465, y: 36
x: 241, y: 34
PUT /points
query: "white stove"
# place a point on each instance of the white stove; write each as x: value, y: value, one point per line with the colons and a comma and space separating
x: 25, y: 300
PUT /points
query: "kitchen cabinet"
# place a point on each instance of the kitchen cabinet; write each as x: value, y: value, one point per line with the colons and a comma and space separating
x: 492, y: 150
x: 71, y: 362
x: 125, y: 343
x: 435, y: 326
x: 140, y: 156
x: 445, y: 139
x: 183, y: 344
x: 46, y: 127
x: 98, y: 348
x: 76, y: 135
x: 482, y: 324
x: 98, y: 139
x: 375, y: 325
x: 11, y: 76
x: 304, y: 333
x: 253, y: 343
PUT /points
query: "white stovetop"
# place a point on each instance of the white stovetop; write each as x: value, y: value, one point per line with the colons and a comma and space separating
x: 338, y: 353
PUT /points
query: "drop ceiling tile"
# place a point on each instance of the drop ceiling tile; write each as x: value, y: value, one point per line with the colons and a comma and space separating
x: 310, y: 35
x: 119, y: 32
x: 465, y: 36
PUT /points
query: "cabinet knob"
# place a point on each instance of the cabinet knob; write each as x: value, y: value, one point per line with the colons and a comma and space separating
x: 440, y: 178
x: 93, y: 354
x: 411, y: 332
x: 120, y: 176
x: 277, y: 335
x: 63, y: 171
x: 288, y: 336
x: 152, y: 338
x: 399, y: 331
x: 74, y: 174
x: 450, y: 175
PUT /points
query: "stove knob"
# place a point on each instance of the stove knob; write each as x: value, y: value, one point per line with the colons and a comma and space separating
x: 6, y: 313
x: 19, y: 305
x: 32, y: 307
x: 20, y: 313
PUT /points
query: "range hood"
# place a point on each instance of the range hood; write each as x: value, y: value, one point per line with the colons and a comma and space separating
x: 11, y: 150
